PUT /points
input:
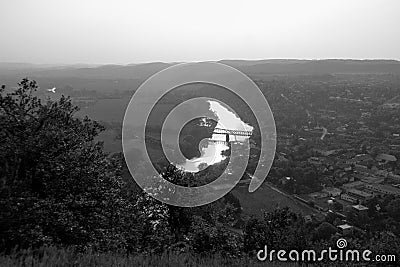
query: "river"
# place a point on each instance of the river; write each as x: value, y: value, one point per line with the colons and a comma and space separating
x: 211, y: 153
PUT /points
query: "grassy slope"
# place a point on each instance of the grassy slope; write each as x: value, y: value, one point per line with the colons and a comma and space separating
x: 266, y: 199
x: 65, y: 257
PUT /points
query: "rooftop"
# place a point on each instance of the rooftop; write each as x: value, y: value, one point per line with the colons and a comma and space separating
x: 345, y: 226
x: 386, y: 157
x: 360, y: 193
x: 354, y: 184
x: 385, y: 187
x: 331, y: 189
x: 360, y: 207
x: 373, y: 180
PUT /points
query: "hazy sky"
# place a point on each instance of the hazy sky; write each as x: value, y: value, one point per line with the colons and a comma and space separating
x: 127, y: 31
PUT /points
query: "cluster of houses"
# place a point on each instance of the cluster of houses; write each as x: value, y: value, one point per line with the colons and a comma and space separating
x: 364, y: 185
x: 355, y: 155
x: 363, y: 181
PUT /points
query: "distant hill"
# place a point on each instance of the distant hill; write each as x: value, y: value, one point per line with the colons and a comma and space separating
x: 330, y: 66
x: 123, y: 77
x: 139, y: 71
x: 241, y: 63
x: 17, y: 68
x: 101, y: 78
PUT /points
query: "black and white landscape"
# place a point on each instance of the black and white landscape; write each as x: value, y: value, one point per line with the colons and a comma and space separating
x: 329, y: 71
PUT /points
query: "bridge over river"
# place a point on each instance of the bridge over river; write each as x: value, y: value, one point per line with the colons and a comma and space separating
x: 228, y: 132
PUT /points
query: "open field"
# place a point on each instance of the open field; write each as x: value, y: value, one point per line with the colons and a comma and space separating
x: 267, y: 199
x: 111, y: 144
x: 110, y: 110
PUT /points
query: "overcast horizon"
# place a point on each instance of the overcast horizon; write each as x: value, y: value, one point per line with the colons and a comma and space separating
x: 134, y: 32
x: 171, y: 62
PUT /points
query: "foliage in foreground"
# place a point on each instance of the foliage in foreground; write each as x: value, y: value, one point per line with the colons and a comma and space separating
x: 51, y: 256
x: 59, y: 188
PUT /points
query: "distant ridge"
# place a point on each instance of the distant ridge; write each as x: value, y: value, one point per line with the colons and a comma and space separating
x: 326, y: 66
x: 109, y: 71
x: 252, y: 67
